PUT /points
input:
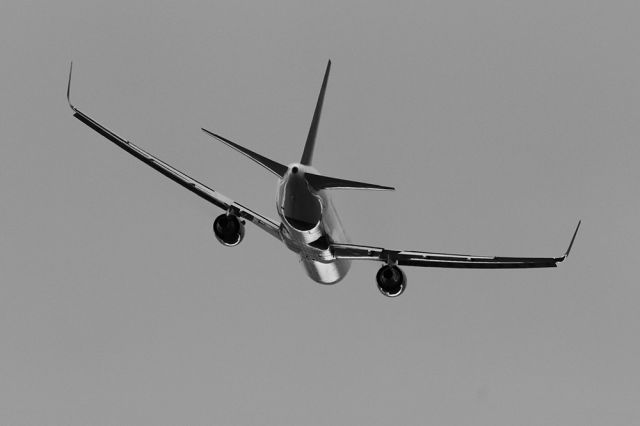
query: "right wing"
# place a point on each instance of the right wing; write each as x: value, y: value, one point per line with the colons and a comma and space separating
x: 444, y: 260
x: 177, y: 176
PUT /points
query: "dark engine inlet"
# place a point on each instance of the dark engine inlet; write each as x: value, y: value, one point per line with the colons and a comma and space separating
x: 228, y: 229
x: 391, y: 281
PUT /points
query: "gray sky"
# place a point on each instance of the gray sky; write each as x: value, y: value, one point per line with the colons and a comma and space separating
x: 500, y: 123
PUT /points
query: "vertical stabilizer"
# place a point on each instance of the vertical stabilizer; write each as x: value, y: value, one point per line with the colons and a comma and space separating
x: 307, y: 155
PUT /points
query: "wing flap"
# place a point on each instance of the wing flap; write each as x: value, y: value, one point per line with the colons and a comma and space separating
x: 189, y: 183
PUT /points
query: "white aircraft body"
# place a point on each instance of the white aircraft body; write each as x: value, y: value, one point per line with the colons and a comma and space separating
x: 310, y: 225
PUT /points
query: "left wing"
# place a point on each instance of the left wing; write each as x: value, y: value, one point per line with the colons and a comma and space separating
x: 443, y: 260
x: 177, y: 176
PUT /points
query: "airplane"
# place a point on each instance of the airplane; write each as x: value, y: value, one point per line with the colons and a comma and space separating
x: 309, y: 223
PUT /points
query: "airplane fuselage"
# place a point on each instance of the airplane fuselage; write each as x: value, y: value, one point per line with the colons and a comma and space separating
x: 310, y: 224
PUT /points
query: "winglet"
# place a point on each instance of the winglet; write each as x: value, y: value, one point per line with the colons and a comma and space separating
x: 69, y: 88
x: 572, y: 240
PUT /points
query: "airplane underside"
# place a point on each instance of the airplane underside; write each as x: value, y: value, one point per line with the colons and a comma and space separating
x: 326, y: 273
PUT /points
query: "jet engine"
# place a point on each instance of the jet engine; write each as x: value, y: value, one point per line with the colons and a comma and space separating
x: 391, y: 280
x: 228, y: 229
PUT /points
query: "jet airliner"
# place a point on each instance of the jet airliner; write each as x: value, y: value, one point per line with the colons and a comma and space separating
x: 309, y: 224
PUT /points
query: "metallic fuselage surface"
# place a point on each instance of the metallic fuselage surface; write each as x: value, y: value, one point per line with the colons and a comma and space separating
x: 310, y: 224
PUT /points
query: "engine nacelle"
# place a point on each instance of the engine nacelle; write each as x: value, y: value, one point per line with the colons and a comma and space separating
x: 391, y: 280
x: 228, y: 229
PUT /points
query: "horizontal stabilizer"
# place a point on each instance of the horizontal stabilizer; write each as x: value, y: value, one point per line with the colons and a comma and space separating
x: 273, y: 166
x: 325, y: 182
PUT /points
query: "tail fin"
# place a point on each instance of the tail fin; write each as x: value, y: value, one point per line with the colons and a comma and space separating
x: 307, y: 155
